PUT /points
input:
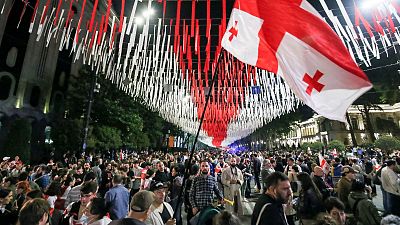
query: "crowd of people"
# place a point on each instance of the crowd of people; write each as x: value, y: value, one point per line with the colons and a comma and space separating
x: 148, y: 188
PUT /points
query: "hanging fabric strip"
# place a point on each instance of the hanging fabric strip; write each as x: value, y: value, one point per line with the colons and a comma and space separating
x: 193, y: 18
x: 121, y: 16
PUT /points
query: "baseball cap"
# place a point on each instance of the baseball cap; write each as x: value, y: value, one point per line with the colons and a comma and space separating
x: 157, y: 185
x: 142, y: 201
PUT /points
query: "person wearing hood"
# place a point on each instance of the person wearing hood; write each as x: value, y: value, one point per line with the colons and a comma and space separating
x: 363, y: 209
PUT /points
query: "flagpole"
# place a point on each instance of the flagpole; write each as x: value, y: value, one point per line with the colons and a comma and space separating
x: 189, y: 165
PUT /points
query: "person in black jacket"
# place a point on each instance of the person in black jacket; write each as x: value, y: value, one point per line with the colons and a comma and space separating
x: 269, y: 207
x: 257, y: 171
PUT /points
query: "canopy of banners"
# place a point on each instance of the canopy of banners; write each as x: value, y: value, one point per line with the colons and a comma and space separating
x: 168, y: 63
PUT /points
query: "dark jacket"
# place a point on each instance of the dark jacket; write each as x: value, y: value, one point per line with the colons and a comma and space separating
x: 309, y: 204
x: 366, y: 212
x: 271, y: 214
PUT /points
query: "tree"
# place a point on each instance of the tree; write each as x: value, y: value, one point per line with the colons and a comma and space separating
x: 338, y: 145
x: 66, y: 136
x: 18, y: 140
x: 104, y: 138
x: 387, y: 144
x: 314, y: 146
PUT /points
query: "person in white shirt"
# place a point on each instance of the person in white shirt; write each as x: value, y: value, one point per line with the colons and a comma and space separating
x: 161, y: 212
x: 391, y: 184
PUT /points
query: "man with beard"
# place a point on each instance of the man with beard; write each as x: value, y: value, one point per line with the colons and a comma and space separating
x: 269, y: 207
x: 203, y: 189
x: 232, y: 179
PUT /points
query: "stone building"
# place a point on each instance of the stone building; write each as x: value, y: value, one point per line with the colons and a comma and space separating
x: 34, y: 78
x: 385, y: 120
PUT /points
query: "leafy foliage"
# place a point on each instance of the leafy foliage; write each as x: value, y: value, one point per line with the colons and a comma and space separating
x: 117, y: 120
x: 18, y: 140
x: 388, y: 144
x: 340, y: 147
x: 314, y: 146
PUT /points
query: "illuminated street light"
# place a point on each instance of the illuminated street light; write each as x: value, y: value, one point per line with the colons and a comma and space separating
x: 370, y: 4
x: 139, y: 20
x: 148, y: 12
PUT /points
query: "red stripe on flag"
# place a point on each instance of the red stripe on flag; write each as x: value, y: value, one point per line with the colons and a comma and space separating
x: 193, y: 18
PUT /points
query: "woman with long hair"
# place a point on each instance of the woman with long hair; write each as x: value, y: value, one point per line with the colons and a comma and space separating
x: 310, y: 202
x: 23, y: 187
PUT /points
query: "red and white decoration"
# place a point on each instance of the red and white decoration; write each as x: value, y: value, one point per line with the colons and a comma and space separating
x: 163, y: 65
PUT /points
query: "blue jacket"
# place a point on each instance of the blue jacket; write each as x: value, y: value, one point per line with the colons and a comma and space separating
x: 117, y: 200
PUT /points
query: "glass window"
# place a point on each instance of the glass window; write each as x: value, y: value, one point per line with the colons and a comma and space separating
x: 5, y: 87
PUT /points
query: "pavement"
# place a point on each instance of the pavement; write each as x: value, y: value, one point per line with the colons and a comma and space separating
x: 248, y: 206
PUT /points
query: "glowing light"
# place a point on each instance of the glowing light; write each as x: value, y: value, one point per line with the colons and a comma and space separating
x: 148, y: 12
x: 139, y: 20
x: 370, y: 4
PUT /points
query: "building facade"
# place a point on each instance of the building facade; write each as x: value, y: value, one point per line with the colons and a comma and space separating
x: 385, y: 120
x: 34, y: 74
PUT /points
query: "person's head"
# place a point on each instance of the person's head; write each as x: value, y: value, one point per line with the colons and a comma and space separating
x: 34, y: 212
x: 267, y: 164
x: 194, y: 169
x: 96, y: 209
x: 358, y: 184
x: 175, y: 171
x: 290, y: 161
x: 117, y: 179
x: 232, y: 162
x: 140, y: 205
x: 23, y: 176
x: 221, y: 159
x: 23, y: 187
x: 54, y: 189
x: 33, y: 194
x: 160, y: 166
x: 348, y: 172
x: 90, y: 176
x: 278, y: 186
x: 308, y: 183
x: 6, y: 196
x: 226, y: 218
x: 149, y: 173
x: 318, y: 171
x: 391, y: 163
x: 69, y: 181
x: 204, y: 167
x: 159, y: 189
x: 335, y: 208
x: 88, y: 192
x: 390, y: 220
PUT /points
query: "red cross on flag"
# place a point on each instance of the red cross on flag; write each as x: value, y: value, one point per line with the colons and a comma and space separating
x: 290, y: 38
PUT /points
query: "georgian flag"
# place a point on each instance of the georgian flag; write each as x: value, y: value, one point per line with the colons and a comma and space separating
x: 290, y: 38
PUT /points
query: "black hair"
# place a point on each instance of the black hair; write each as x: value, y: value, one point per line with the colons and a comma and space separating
x: 23, y: 176
x: 54, y: 189
x: 98, y: 207
x: 88, y: 187
x: 35, y: 194
x: 274, y: 178
x: 89, y: 176
x: 333, y: 202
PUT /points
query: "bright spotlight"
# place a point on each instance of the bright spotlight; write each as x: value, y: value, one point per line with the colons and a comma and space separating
x: 370, y: 4
x: 148, y: 12
x: 139, y: 20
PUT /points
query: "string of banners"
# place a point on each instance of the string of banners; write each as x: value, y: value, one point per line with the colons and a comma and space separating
x: 164, y: 65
